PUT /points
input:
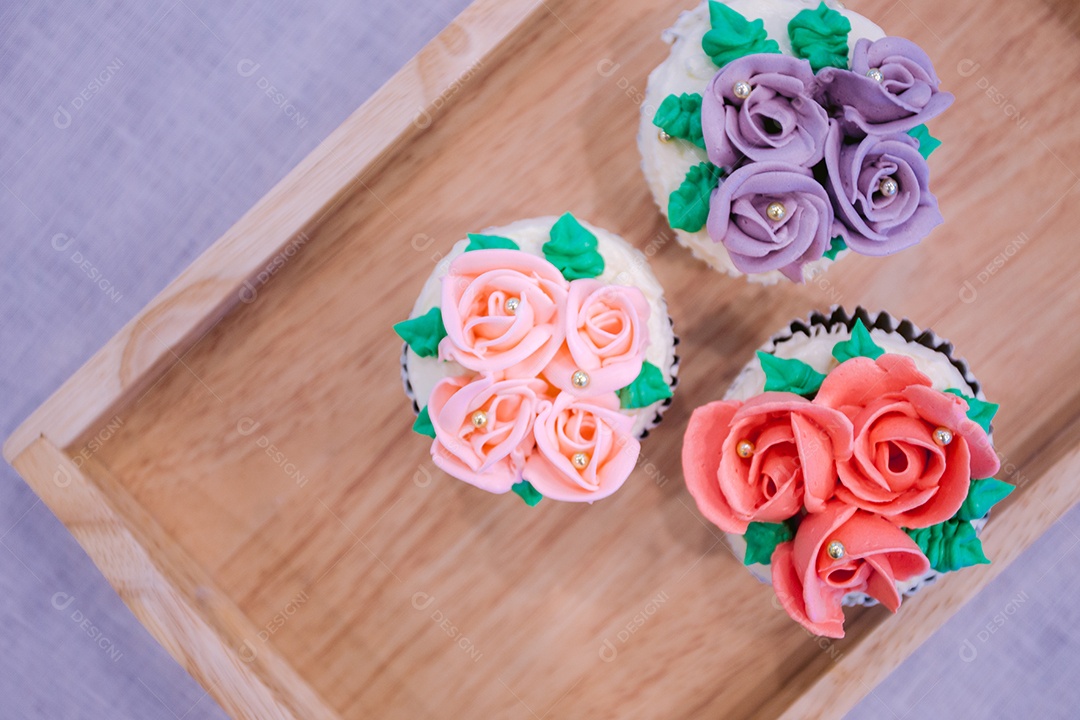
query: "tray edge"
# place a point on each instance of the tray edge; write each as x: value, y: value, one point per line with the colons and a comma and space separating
x: 1022, y: 520
x: 167, y: 591
x: 191, y: 305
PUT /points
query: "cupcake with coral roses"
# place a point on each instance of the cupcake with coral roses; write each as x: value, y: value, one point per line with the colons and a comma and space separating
x: 850, y: 463
x: 536, y: 357
x: 780, y: 135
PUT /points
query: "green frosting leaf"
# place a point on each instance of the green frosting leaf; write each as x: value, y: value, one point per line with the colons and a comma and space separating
x: 979, y: 411
x: 835, y: 247
x: 572, y: 249
x: 789, y: 375
x: 423, y: 424
x: 950, y: 545
x: 733, y: 36
x: 953, y: 544
x: 820, y: 36
x: 527, y: 492
x: 860, y: 345
x: 423, y: 333
x: 983, y: 495
x: 489, y: 242
x: 680, y: 117
x: 927, y: 142
x: 762, y: 539
x: 647, y: 388
x: 688, y: 207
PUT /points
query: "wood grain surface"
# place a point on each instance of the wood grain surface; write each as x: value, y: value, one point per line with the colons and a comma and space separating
x: 258, y: 439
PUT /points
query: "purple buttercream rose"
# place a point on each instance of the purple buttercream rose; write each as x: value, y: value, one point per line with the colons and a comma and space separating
x: 905, y: 96
x: 771, y: 216
x: 762, y: 107
x: 880, y: 191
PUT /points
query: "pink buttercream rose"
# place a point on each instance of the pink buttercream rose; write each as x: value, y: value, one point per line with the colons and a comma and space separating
x: 487, y: 450
x: 606, y: 335
x: 791, y: 464
x: 896, y: 468
x: 811, y: 583
x: 503, y: 311
x: 585, y: 448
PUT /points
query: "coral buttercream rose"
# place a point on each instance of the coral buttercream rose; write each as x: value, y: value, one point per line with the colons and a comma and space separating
x: 880, y: 187
x: 837, y: 551
x: 915, y: 451
x: 762, y: 107
x: 771, y: 216
x: 484, y: 428
x: 890, y: 88
x: 606, y: 335
x: 763, y: 460
x: 585, y: 448
x: 503, y: 311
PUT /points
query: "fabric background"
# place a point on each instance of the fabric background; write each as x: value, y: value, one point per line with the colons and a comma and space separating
x: 140, y: 172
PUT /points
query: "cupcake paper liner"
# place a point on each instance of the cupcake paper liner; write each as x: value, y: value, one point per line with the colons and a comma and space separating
x: 819, y: 323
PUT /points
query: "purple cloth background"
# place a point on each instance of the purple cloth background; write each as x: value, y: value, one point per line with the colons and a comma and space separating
x: 132, y: 135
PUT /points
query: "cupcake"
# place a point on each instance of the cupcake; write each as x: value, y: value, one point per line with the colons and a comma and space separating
x: 780, y: 135
x: 850, y: 463
x: 536, y: 357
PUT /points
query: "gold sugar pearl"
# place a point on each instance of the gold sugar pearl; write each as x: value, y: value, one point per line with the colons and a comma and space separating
x: 889, y: 187
x: 479, y: 419
x: 512, y: 305
x: 580, y: 460
x: 835, y: 550
x: 744, y: 448
x: 664, y: 137
x: 943, y: 436
x: 741, y: 89
x: 580, y: 379
x: 776, y: 211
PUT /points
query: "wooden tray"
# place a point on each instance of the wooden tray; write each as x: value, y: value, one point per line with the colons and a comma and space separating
x: 238, y: 459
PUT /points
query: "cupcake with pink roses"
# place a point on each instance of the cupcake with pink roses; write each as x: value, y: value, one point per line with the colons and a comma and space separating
x: 536, y: 357
x: 780, y: 135
x: 850, y: 463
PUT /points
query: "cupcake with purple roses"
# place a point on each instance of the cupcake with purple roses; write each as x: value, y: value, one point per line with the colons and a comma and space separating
x: 780, y: 135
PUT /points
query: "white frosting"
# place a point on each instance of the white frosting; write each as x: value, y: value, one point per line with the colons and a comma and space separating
x: 688, y: 70
x: 623, y: 265
x: 816, y: 350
